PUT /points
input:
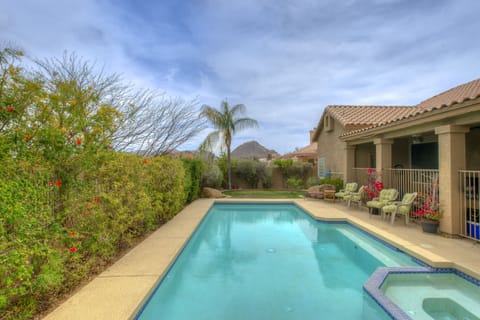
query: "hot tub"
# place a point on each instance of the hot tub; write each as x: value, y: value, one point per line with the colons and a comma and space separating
x: 426, y: 293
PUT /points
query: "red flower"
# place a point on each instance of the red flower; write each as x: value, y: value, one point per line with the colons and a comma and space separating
x: 57, y: 183
x: 97, y: 200
x: 72, y: 233
x: 73, y: 249
x: 27, y: 137
x: 84, y: 214
x: 10, y: 108
x: 78, y: 141
x: 145, y: 161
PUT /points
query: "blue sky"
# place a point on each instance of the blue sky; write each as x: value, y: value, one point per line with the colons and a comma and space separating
x: 284, y: 59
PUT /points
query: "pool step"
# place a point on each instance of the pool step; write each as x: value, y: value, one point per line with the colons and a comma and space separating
x: 372, y: 249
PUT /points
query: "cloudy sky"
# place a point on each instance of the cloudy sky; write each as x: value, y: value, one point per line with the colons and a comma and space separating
x: 284, y: 59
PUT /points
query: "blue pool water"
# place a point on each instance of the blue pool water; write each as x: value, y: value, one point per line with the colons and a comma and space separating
x: 271, y: 261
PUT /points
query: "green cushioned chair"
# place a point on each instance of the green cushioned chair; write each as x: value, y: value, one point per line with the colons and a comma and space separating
x: 386, y: 196
x: 349, y: 188
x: 400, y: 207
x: 355, y: 197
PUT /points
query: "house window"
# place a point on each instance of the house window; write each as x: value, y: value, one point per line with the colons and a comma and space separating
x: 321, y: 167
x: 328, y: 124
x: 425, y: 155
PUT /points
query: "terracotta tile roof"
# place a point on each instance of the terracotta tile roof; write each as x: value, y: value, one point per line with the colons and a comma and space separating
x: 311, y: 149
x: 359, y: 117
x: 456, y: 95
x: 459, y: 94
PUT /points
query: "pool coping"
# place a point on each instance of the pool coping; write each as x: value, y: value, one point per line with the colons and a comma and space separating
x: 125, y: 286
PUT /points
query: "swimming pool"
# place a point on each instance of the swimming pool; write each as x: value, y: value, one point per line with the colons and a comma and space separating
x: 271, y: 261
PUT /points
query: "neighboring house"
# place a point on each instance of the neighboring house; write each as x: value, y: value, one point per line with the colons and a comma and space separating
x: 441, y: 133
x: 305, y: 154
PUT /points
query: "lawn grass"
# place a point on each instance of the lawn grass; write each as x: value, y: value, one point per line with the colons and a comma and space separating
x: 265, y: 194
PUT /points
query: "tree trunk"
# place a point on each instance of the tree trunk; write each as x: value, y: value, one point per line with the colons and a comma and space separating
x: 229, y: 169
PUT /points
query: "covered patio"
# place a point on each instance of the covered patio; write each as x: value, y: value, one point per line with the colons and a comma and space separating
x: 437, y: 139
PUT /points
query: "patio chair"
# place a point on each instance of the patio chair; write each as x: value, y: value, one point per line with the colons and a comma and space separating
x: 318, y: 191
x: 349, y: 188
x: 401, y: 207
x: 355, y: 197
x: 386, y: 196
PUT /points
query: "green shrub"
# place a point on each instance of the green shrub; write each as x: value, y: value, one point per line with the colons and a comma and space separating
x: 211, y: 176
x: 193, y: 178
x: 295, y: 184
x: 68, y: 203
x: 337, y: 182
x: 167, y: 178
x: 245, y: 170
x: 267, y: 178
x: 293, y: 169
x: 222, y: 164
x: 47, y: 248
x: 313, y: 181
x: 30, y: 265
x: 251, y: 171
x: 300, y: 170
x: 284, y: 166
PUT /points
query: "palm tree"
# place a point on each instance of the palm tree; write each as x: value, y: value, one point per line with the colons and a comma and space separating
x: 227, y: 123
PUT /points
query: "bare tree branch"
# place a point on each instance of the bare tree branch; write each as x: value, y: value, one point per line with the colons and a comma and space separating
x: 160, y: 125
x: 151, y: 124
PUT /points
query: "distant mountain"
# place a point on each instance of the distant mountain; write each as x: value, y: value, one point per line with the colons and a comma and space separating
x: 253, y: 150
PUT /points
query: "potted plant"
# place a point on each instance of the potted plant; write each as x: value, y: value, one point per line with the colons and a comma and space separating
x: 372, y: 188
x: 429, y: 219
x: 430, y: 214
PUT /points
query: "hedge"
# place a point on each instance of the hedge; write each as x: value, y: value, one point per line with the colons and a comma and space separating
x: 193, y: 178
x: 69, y: 203
x: 54, y: 234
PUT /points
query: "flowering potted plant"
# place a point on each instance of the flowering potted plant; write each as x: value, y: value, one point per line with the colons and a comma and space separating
x: 430, y: 214
x: 373, y: 187
x: 430, y: 220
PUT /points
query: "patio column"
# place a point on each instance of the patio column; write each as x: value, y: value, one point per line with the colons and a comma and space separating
x: 349, y: 163
x: 383, y: 149
x: 451, y: 158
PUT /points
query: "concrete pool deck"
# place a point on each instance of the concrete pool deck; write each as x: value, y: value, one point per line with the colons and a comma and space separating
x: 119, y: 291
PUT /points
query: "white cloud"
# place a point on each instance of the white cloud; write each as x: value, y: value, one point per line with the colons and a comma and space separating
x: 285, y: 60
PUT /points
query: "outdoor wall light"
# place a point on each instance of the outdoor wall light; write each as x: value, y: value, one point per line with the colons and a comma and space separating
x: 416, y: 139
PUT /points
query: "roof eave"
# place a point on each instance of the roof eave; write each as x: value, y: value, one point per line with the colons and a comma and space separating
x: 422, y: 114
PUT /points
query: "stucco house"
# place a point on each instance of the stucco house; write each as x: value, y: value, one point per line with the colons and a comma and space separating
x: 439, y: 135
x: 306, y: 154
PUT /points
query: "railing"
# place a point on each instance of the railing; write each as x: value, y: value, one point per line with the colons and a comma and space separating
x: 410, y: 180
x: 469, y: 204
x: 405, y: 181
x: 336, y: 175
x: 359, y: 176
